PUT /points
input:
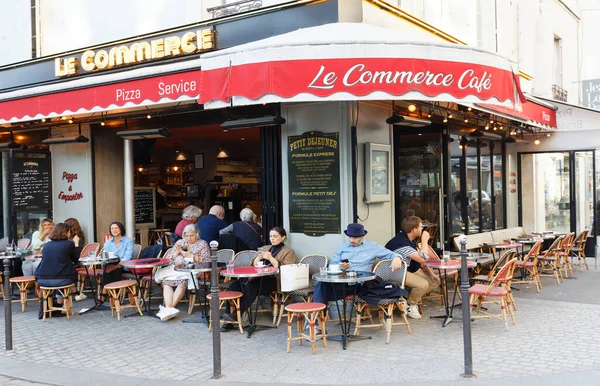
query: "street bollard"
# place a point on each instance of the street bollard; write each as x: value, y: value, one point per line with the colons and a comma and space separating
x: 214, y: 313
x: 7, y: 306
x: 466, y: 307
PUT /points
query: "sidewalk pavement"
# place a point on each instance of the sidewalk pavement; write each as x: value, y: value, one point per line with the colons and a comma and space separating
x: 555, y: 341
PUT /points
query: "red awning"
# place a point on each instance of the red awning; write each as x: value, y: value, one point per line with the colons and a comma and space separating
x: 354, y: 61
x: 531, y: 112
x: 141, y: 92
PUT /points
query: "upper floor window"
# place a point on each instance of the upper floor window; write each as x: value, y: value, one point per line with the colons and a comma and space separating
x: 558, y: 60
x: 35, y: 30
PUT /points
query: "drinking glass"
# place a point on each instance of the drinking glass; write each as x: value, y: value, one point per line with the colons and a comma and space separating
x: 446, y: 256
x: 91, y: 255
x: 230, y: 267
x: 323, y: 270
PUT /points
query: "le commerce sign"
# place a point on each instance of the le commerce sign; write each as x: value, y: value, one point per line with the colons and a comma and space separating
x: 136, y: 52
x: 314, y: 173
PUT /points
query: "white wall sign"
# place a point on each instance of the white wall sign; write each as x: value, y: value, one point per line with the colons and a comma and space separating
x: 590, y: 93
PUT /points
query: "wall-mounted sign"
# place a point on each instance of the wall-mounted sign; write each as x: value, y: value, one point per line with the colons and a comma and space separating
x: 314, y: 172
x: 69, y: 194
x: 30, y: 178
x: 184, y: 43
x: 590, y: 93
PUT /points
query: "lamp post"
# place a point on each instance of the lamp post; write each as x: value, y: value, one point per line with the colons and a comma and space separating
x: 214, y: 312
x: 466, y: 307
x: 7, y: 306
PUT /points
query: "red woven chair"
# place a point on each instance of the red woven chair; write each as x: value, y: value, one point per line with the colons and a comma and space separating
x: 81, y: 272
x: 528, y: 267
x: 564, y: 261
x: 496, y: 293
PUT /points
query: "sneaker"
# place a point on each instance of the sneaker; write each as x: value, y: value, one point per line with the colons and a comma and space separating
x: 161, y: 312
x: 80, y: 297
x: 170, y: 313
x: 413, y: 311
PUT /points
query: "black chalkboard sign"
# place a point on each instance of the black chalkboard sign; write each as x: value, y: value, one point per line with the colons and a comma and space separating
x: 30, y: 181
x: 145, y: 198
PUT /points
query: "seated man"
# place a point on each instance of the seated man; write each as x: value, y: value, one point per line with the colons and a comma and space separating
x: 360, y: 254
x: 421, y: 280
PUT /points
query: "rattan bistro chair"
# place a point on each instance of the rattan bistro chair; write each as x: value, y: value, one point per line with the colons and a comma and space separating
x: 548, y: 260
x: 386, y: 307
x: 528, y: 267
x: 497, y: 294
x: 578, y: 250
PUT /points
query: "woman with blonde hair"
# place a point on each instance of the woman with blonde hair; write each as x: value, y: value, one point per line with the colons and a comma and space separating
x: 40, y: 237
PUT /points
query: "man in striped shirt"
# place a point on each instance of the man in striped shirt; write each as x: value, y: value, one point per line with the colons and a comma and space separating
x: 420, y: 279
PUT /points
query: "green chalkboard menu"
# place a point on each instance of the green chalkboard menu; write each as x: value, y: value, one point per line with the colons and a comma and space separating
x: 144, y: 203
x: 314, y: 171
x: 30, y: 181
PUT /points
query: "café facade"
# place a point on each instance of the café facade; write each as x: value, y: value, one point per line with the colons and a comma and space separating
x: 364, y: 118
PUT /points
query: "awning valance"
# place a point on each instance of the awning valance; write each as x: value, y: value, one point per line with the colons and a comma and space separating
x: 354, y: 61
x: 93, y: 94
x: 533, y: 112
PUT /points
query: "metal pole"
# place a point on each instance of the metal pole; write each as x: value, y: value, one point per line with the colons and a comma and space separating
x: 7, y: 306
x: 5, y: 194
x: 214, y: 311
x: 128, y: 187
x: 466, y: 307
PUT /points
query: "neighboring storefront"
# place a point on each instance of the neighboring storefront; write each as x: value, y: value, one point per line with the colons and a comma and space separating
x: 351, y: 95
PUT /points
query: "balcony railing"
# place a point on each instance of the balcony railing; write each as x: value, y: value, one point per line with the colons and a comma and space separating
x: 235, y: 8
x: 559, y: 93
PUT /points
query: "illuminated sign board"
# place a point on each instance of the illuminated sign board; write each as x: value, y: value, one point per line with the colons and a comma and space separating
x: 186, y: 43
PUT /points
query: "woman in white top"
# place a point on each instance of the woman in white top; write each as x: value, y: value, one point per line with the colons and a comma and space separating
x: 40, y: 237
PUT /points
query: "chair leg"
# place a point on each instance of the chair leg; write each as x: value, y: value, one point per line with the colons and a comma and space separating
x: 290, y: 316
x: 503, y: 309
x: 236, y: 302
x: 275, y: 299
x: 512, y: 315
x: 191, y: 303
x: 322, y: 326
x: 299, y: 321
x: 311, y: 323
x: 388, y: 322
x: 359, y: 308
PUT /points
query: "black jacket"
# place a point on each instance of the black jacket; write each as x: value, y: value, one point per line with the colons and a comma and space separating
x: 58, y: 260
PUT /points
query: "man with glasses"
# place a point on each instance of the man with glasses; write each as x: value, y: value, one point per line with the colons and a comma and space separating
x: 420, y: 279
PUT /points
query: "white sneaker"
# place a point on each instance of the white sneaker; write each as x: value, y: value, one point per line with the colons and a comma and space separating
x: 162, y: 312
x: 413, y: 312
x: 170, y: 313
x: 80, y: 297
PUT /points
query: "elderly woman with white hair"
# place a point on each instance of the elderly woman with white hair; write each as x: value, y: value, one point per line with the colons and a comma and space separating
x: 189, y: 249
x: 249, y: 232
x: 190, y: 215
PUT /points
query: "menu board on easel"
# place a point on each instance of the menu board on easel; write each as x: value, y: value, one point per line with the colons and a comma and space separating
x: 145, y: 204
x: 30, y: 181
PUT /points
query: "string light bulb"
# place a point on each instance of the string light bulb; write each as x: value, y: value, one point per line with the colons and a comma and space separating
x: 445, y: 120
x: 450, y: 116
x: 43, y: 120
x: 102, y: 123
x: 466, y: 120
x: 70, y: 121
x: 548, y: 135
x: 412, y: 108
x: 148, y: 116
x: 537, y: 141
x: 487, y: 127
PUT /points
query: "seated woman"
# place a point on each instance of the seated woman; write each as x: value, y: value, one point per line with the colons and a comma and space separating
x: 57, y: 267
x: 38, y: 240
x: 275, y: 254
x: 246, y: 230
x: 190, y: 248
x: 122, y: 247
x: 190, y: 215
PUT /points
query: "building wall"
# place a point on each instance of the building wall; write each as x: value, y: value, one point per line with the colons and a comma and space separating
x: 71, y: 176
x: 15, y: 31
x: 327, y: 117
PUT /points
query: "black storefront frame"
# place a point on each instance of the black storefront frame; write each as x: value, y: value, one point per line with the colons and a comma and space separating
x: 572, y: 192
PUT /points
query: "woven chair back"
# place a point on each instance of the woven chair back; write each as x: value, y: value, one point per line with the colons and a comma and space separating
x: 554, y: 248
x: 244, y: 258
x: 90, y: 247
x: 503, y: 275
x: 534, y: 252
x: 137, y: 248
x: 3, y: 244
x: 314, y: 263
x: 24, y: 243
x: 225, y: 255
x: 432, y: 229
x: 506, y: 256
x: 383, y: 269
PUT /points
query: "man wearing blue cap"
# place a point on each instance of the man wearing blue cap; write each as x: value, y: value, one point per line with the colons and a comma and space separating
x: 360, y: 254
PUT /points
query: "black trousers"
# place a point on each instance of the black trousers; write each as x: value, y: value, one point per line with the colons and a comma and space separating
x: 250, y: 291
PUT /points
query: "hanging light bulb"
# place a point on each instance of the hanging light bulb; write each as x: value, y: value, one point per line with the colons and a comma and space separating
x: 469, y: 109
x: 445, y: 120
x: 537, y: 141
x: 491, y: 121
x: 412, y: 108
x: 148, y: 116
x: 450, y: 116
x: 466, y: 120
x: 43, y: 120
x: 70, y: 121
x: 487, y: 127
x: 102, y: 123
x: 548, y: 135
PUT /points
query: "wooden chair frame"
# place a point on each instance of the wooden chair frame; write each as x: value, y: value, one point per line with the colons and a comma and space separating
x: 547, y: 260
x: 578, y: 250
x: 529, y: 265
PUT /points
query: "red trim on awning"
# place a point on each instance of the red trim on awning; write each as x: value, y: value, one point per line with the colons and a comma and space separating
x: 529, y: 111
x: 163, y: 88
x: 315, y: 79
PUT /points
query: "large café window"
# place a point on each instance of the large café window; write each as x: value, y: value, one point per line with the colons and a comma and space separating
x: 479, y: 207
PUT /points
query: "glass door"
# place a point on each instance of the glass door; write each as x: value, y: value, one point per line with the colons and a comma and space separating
x: 418, y: 178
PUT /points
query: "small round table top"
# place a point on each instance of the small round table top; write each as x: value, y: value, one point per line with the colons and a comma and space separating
x: 145, y: 263
x: 361, y: 276
x: 199, y: 267
x: 251, y: 271
x: 502, y: 245
x: 452, y: 264
x: 475, y: 256
x: 95, y: 261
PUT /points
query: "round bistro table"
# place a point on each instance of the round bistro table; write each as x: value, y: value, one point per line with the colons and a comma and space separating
x: 251, y: 272
x: 346, y: 281
x: 195, y: 269
x: 141, y: 264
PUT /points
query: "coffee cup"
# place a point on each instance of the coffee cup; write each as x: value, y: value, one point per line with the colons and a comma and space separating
x: 334, y: 267
x: 111, y: 255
